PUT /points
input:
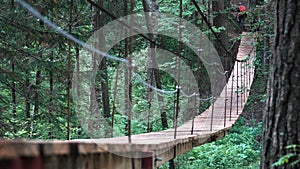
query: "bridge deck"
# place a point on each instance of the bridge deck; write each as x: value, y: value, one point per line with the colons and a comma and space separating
x: 155, y: 145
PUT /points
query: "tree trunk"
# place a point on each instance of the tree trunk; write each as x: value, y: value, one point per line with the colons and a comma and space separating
x: 126, y: 80
x: 221, y: 20
x: 132, y: 3
x: 77, y: 70
x: 210, y: 13
x: 153, y: 70
x: 282, y: 118
x: 69, y: 73
x: 27, y: 95
x: 36, y: 92
x: 27, y: 101
x: 13, y: 91
x: 51, y: 87
x: 103, y: 68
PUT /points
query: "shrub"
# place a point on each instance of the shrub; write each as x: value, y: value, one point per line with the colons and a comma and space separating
x: 239, y: 149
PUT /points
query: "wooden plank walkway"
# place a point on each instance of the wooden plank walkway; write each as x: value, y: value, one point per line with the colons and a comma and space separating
x: 159, y: 146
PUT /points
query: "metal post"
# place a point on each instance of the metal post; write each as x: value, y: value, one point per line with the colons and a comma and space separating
x: 212, y: 113
x: 225, y: 104
x: 241, y: 94
x: 177, y: 110
x: 194, y: 114
x: 231, y: 95
x: 237, y: 87
x: 245, y: 88
x: 249, y: 73
x: 246, y: 78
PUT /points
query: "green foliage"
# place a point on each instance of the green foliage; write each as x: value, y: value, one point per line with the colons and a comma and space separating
x: 292, y: 158
x: 28, y: 46
x: 239, y: 149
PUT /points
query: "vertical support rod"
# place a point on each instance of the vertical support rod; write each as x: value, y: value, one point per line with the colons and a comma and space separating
x: 177, y: 111
x: 212, y: 113
x: 245, y: 79
x: 241, y: 87
x: 237, y: 87
x: 148, y: 117
x: 245, y: 84
x: 178, y: 60
x: 249, y: 73
x: 225, y: 104
x: 248, y: 70
x: 231, y: 95
x: 194, y: 113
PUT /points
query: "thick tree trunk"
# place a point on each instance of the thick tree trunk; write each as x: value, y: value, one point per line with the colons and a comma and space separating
x: 282, y: 117
x: 221, y: 20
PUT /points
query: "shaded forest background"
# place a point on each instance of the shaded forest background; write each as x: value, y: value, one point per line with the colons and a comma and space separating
x: 37, y: 63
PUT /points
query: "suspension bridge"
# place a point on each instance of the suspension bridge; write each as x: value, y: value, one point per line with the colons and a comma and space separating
x: 148, y: 150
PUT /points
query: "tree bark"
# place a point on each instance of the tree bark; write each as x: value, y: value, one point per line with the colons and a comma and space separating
x: 13, y: 91
x: 153, y: 71
x: 27, y: 101
x: 27, y: 95
x: 126, y: 80
x: 36, y: 91
x: 282, y: 118
x: 69, y: 73
x: 103, y: 67
x: 51, y: 87
x: 221, y: 20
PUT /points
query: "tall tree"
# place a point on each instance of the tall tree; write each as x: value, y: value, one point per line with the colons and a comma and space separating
x: 103, y: 67
x: 69, y: 73
x: 152, y: 70
x: 282, y: 118
x: 220, y: 20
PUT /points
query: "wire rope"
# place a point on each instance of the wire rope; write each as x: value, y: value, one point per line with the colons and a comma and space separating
x: 84, y: 45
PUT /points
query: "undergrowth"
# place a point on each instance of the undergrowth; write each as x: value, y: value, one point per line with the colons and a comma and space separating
x: 239, y: 149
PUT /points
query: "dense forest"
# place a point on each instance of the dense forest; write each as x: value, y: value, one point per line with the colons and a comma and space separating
x: 38, y: 65
x: 95, y: 69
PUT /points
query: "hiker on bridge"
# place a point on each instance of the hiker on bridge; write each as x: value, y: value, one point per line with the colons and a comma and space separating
x: 241, y: 15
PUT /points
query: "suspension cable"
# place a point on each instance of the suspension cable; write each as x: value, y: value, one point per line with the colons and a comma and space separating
x: 86, y: 46
x: 134, y: 30
x: 147, y: 38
